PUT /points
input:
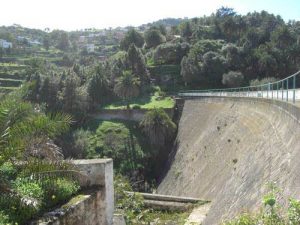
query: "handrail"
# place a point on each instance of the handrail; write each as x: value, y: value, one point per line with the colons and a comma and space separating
x: 281, y: 89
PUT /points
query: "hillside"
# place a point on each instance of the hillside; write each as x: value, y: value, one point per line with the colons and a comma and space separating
x: 229, y: 151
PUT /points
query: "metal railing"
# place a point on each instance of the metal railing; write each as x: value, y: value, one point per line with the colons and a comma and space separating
x: 285, y: 90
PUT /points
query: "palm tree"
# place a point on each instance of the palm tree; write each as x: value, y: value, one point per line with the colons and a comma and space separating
x: 158, y: 126
x: 127, y: 87
x: 21, y: 124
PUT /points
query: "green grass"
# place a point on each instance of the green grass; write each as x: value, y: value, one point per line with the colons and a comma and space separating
x: 144, y: 102
x: 165, y: 217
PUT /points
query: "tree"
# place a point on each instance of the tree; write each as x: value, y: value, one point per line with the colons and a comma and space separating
x: 34, y: 87
x: 189, y: 70
x: 153, y: 38
x: 158, y: 127
x: 283, y: 38
x: 46, y: 43
x: 137, y: 63
x: 132, y: 37
x: 212, y: 68
x: 127, y: 87
x: 186, y: 30
x: 170, y: 53
x: 44, y: 91
x: 234, y: 57
x: 225, y: 11
x: 233, y: 79
x: 69, y: 94
x: 63, y: 42
x: 20, y: 125
x: 98, y: 89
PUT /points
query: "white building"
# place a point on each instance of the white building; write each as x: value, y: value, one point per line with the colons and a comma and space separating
x: 34, y: 42
x: 82, y: 39
x: 5, y: 44
x: 90, y: 48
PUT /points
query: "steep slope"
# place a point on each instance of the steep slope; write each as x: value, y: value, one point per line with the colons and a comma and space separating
x: 228, y: 151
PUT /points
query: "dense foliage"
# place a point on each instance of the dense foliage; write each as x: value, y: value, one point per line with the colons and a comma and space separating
x: 79, y: 72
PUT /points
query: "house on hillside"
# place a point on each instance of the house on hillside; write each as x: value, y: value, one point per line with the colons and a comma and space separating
x: 5, y: 44
x: 90, y: 48
x: 81, y: 39
x: 34, y: 42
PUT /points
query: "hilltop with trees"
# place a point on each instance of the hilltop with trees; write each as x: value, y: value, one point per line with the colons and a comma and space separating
x: 79, y: 73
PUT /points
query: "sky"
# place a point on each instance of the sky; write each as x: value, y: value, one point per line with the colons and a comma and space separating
x: 79, y: 14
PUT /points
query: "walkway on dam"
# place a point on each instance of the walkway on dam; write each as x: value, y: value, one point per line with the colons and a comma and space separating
x: 284, y: 90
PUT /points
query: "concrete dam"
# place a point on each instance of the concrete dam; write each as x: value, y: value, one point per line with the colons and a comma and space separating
x: 228, y: 149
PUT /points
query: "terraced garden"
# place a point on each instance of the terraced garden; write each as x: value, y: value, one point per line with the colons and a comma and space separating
x: 12, y: 76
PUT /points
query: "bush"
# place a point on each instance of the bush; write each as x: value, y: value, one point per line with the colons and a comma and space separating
x: 59, y: 190
x: 4, y: 219
x: 28, y: 188
x: 117, y: 141
x: 17, y: 209
x: 136, y: 107
x: 158, y: 127
x: 80, y: 143
x: 170, y: 53
x: 233, y: 79
x: 7, y: 171
x: 266, y: 80
x: 130, y: 204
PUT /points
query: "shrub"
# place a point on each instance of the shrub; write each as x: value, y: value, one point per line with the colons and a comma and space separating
x: 7, y: 171
x: 28, y: 188
x: 233, y: 79
x: 131, y: 204
x: 170, y: 53
x: 136, y: 107
x: 271, y: 213
x: 294, y: 211
x: 4, y: 219
x: 158, y: 127
x: 17, y: 209
x: 266, y: 80
x: 80, y: 143
x: 59, y: 190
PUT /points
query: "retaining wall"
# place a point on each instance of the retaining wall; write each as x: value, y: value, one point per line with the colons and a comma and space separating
x: 93, y: 207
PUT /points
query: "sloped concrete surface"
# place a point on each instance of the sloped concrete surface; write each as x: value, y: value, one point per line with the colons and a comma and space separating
x: 228, y: 151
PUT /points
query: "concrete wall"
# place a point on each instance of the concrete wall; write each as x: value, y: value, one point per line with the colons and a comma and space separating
x: 124, y: 114
x: 96, y: 205
x: 229, y: 149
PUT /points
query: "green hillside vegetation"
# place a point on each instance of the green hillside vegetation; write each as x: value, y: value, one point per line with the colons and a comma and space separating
x: 78, y: 73
x: 144, y: 102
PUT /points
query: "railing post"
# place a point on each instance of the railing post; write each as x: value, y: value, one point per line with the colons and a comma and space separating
x: 282, y: 90
x: 287, y: 90
x: 294, y: 91
x: 277, y: 89
x: 272, y: 89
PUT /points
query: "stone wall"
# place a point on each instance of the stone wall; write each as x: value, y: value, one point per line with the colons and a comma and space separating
x: 94, y: 206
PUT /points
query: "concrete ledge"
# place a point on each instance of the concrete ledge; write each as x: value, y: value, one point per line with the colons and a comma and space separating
x: 293, y: 110
x: 157, y: 197
x: 84, y: 209
x: 94, y: 207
